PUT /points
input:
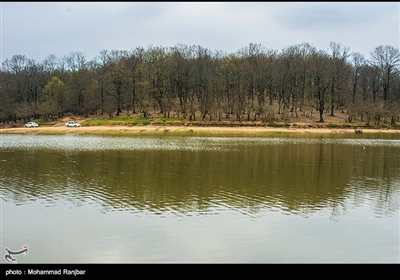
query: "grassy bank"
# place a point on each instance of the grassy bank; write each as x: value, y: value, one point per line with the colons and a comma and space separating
x: 158, y: 125
x: 140, y: 121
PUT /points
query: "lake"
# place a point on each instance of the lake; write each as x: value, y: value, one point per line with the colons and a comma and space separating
x: 166, y: 199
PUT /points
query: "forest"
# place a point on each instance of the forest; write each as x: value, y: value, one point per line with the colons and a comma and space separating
x: 199, y: 84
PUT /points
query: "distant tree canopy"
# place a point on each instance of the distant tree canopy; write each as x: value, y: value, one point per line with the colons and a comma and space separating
x: 196, y: 83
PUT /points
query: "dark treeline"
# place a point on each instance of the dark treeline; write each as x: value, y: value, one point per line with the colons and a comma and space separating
x: 253, y: 84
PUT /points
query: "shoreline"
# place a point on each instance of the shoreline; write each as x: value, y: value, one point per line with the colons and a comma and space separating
x: 189, y: 130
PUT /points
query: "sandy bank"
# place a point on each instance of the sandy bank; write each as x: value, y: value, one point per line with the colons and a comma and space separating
x: 186, y: 130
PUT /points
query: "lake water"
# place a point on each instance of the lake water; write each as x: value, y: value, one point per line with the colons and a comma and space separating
x: 138, y: 199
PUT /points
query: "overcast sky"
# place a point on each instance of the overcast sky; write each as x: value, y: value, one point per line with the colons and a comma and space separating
x: 39, y: 29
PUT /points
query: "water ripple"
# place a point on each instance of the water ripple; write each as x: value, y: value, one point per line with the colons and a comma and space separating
x: 78, y: 143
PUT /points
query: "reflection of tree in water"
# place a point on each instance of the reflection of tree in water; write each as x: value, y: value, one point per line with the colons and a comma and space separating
x: 387, y: 197
x: 338, y: 207
x: 293, y: 179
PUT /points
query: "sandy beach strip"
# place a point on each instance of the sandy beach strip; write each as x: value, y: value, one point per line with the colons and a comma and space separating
x: 186, y: 130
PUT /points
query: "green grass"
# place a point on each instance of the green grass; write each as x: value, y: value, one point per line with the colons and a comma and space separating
x: 169, y: 121
x: 119, y: 120
x: 140, y: 121
x: 94, y: 122
x: 43, y: 122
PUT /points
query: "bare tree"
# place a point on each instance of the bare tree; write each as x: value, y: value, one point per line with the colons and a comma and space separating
x: 117, y: 79
x: 386, y: 59
x: 16, y: 64
x: 358, y: 61
x: 321, y: 81
x: 338, y: 73
x: 132, y: 63
x: 75, y: 61
x: 50, y: 64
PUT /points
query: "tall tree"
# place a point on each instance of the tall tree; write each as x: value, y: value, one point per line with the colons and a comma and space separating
x: 321, y: 81
x: 52, y: 98
x: 158, y: 77
x: 132, y: 63
x: 339, y: 55
x: 75, y: 61
x: 358, y: 61
x: 181, y: 73
x: 386, y: 59
x: 203, y: 81
x: 117, y: 79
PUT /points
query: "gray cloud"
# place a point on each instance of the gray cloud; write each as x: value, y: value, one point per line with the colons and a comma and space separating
x: 38, y: 29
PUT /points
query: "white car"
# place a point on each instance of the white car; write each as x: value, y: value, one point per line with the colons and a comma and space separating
x: 32, y: 124
x: 72, y: 124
